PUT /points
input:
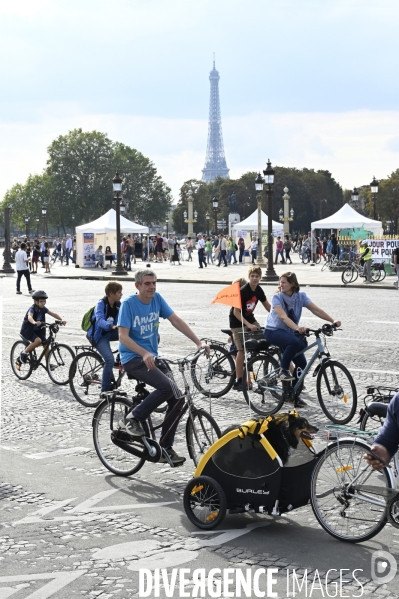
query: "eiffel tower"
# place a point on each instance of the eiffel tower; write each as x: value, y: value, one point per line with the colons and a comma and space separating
x: 215, y: 161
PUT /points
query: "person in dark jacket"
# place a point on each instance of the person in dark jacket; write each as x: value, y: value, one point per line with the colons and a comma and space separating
x: 387, y: 441
x: 104, y: 329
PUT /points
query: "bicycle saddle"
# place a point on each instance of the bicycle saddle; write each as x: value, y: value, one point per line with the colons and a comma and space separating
x: 26, y: 341
x: 226, y: 331
x: 376, y: 408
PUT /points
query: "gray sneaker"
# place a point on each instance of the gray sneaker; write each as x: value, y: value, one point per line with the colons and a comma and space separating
x: 285, y: 375
x: 176, y: 459
x: 132, y: 427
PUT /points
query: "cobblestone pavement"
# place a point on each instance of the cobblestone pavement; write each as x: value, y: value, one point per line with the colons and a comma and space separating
x: 68, y: 527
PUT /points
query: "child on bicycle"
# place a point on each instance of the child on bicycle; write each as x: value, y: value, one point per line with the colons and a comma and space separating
x: 104, y: 329
x: 32, y: 328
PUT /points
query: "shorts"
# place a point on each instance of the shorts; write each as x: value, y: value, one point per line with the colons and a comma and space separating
x: 45, y: 259
x: 237, y: 335
x: 35, y: 259
x: 41, y: 335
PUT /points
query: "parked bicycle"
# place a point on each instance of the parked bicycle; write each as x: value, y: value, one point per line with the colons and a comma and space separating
x: 57, y: 362
x: 376, y: 401
x: 336, y: 390
x: 351, y: 500
x: 125, y: 455
x: 355, y: 270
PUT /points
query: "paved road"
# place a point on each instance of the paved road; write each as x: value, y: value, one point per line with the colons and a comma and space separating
x: 70, y: 528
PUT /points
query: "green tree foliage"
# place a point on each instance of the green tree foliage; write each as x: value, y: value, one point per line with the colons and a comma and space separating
x: 307, y: 189
x: 387, y: 201
x: 78, y: 180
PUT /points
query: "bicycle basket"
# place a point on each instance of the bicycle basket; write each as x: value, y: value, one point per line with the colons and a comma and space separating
x: 178, y: 382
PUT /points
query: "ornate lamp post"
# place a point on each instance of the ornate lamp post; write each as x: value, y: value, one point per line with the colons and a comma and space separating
x: 207, y: 216
x: 355, y: 196
x: 6, y: 264
x: 285, y: 215
x: 37, y: 225
x: 374, y: 191
x: 27, y: 219
x: 259, y: 189
x: 44, y: 214
x: 215, y: 203
x: 190, y: 220
x: 167, y: 226
x: 271, y: 274
x: 117, y: 187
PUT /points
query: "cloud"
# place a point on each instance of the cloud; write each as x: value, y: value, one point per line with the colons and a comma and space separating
x: 353, y: 146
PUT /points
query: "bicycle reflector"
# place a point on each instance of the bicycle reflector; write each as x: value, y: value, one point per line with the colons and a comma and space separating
x: 370, y: 390
x: 343, y: 469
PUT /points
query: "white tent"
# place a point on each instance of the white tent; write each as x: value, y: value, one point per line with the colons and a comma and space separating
x: 101, y: 231
x: 348, y: 218
x: 251, y: 224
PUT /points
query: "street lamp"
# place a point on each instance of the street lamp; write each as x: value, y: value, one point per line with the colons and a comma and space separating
x: 37, y: 225
x: 355, y: 196
x: 167, y: 226
x: 27, y: 219
x: 292, y: 214
x: 284, y: 215
x: 259, y: 189
x: 117, y: 187
x: 6, y: 264
x: 374, y: 191
x: 44, y: 213
x: 207, y: 216
x: 215, y: 203
x: 269, y: 180
x: 190, y: 220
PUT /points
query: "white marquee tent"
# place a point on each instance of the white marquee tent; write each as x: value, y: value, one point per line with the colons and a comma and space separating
x: 251, y: 224
x: 101, y: 231
x: 348, y: 218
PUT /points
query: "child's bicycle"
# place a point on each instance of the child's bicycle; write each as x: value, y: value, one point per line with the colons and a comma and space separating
x: 57, y: 363
x: 124, y: 455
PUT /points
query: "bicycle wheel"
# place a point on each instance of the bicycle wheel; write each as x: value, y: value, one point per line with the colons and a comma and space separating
x: 59, y: 362
x: 201, y: 432
x: 214, y: 375
x: 349, y: 513
x: 105, y: 420
x: 204, y: 502
x: 383, y: 274
x: 325, y: 265
x: 85, y: 376
x: 22, y: 370
x: 262, y: 391
x: 375, y: 274
x: 336, y: 392
x: 347, y: 275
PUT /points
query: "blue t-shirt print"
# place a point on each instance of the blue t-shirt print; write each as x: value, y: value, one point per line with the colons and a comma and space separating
x: 142, y: 320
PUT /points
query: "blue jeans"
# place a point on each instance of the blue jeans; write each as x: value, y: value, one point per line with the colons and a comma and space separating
x: 241, y: 254
x: 280, y: 252
x: 104, y: 348
x: 291, y: 344
x: 201, y: 258
x: 222, y: 256
x: 163, y: 392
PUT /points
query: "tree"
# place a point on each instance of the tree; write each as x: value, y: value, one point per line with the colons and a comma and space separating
x: 78, y: 180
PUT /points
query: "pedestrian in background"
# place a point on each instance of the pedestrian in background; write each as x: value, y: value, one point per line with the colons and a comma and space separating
x: 279, y: 250
x: 21, y: 264
x: 253, y: 248
x: 222, y: 247
x: 241, y: 248
x: 189, y: 248
x: 201, y: 250
x: 208, y: 250
x: 366, y: 257
x: 287, y: 248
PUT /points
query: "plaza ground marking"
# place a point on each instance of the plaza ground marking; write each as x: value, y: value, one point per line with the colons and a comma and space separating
x: 58, y: 580
x: 86, y: 510
x: 50, y: 454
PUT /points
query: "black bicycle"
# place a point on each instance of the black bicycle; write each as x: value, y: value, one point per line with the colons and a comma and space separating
x: 57, y: 362
x: 124, y: 455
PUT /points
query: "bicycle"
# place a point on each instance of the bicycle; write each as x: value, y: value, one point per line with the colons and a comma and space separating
x: 336, y: 390
x: 58, y: 360
x: 351, y: 500
x: 376, y: 401
x: 218, y: 370
x: 124, y: 455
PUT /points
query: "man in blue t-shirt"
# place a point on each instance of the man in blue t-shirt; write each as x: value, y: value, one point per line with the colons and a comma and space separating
x: 138, y: 325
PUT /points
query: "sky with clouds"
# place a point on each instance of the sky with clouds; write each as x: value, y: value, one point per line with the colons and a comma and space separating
x: 310, y: 83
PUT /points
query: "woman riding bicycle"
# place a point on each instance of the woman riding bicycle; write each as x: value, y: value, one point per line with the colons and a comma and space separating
x: 282, y: 324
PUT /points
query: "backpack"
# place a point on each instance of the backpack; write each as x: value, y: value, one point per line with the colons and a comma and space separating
x: 287, y: 245
x: 87, y: 319
x: 235, y: 247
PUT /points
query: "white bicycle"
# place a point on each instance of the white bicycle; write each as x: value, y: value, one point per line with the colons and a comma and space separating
x: 351, y: 500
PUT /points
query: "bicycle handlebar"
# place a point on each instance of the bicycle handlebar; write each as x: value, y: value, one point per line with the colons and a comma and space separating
x: 326, y: 329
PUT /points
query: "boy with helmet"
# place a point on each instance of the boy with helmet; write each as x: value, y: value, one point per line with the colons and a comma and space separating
x: 33, y: 321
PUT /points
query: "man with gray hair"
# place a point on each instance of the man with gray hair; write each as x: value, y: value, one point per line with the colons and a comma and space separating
x: 138, y: 325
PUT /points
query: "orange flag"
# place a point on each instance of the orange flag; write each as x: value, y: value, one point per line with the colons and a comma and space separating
x: 230, y: 296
